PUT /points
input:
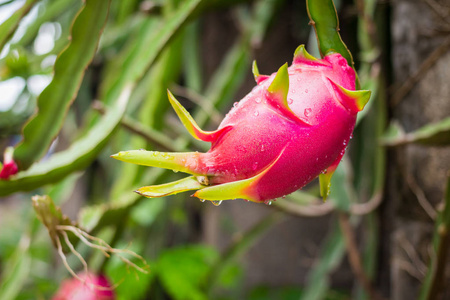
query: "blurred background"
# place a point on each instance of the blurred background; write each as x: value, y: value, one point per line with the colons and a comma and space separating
x: 375, y: 238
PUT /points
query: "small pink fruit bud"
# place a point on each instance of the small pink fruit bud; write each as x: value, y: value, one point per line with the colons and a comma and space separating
x: 90, y: 287
x: 9, y: 165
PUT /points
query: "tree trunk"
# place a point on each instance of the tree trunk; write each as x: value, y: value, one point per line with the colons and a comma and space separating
x: 416, y: 175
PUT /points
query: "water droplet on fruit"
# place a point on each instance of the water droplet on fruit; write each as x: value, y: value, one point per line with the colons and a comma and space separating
x: 256, y: 113
x: 255, y: 165
x: 141, y: 149
x: 262, y: 148
x: 217, y: 203
x: 258, y: 100
x: 202, y: 200
x: 293, y: 91
x: 235, y: 104
x: 268, y: 202
x: 307, y: 112
x: 290, y: 101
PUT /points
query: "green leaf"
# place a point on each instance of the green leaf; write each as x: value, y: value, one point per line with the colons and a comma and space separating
x: 183, y: 271
x: 55, y: 100
x: 435, y: 134
x: 8, y: 27
x: 77, y: 157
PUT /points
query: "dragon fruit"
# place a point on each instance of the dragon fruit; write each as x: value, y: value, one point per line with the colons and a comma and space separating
x: 292, y: 127
x: 90, y: 287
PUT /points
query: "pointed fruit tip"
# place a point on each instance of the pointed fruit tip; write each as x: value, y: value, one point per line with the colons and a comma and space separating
x: 354, y: 100
x: 280, y: 83
x: 258, y: 77
x: 301, y: 55
x: 255, y: 70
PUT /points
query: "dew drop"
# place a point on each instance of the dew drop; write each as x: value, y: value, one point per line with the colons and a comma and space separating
x: 293, y: 91
x: 216, y: 203
x: 262, y: 148
x: 283, y: 197
x: 255, y: 165
x: 268, y: 202
x: 258, y: 100
x: 235, y: 104
x: 307, y: 112
x: 141, y: 149
x: 256, y: 113
x: 202, y: 200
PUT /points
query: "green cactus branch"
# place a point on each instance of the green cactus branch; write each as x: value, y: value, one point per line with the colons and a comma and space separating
x: 323, y: 17
x: 80, y: 154
x: 57, y: 97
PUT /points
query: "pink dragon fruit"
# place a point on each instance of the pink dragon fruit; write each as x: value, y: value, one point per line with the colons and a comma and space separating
x: 292, y: 127
x: 93, y: 288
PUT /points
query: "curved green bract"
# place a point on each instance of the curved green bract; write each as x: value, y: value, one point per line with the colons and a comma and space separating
x: 75, y: 158
x: 55, y: 100
x: 323, y: 16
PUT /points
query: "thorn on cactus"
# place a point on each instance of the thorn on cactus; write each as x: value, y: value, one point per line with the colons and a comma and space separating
x: 291, y: 126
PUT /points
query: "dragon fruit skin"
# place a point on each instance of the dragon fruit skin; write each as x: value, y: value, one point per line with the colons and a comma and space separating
x: 293, y: 126
x: 95, y: 287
